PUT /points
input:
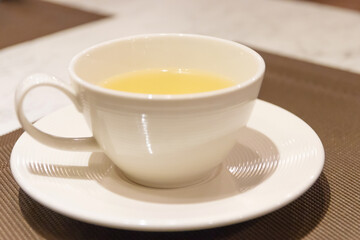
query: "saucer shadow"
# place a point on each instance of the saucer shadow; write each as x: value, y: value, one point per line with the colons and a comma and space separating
x: 293, y: 221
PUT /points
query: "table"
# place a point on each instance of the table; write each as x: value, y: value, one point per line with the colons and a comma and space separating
x: 326, y: 98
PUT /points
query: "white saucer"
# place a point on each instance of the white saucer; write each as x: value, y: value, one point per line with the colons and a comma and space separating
x: 278, y: 157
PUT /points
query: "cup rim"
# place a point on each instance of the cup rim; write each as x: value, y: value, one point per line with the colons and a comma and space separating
x: 161, y: 97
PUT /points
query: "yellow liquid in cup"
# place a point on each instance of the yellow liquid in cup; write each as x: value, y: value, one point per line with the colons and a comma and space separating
x: 166, y: 81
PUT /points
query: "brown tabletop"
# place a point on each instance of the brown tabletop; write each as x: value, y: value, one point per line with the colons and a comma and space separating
x: 327, y: 99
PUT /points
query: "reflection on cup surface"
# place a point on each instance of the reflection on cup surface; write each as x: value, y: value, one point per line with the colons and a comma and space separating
x: 159, y: 140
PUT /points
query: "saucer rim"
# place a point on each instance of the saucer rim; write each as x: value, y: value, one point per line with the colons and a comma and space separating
x: 183, y: 226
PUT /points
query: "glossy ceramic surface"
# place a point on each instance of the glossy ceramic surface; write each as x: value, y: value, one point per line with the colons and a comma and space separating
x: 277, y: 157
x: 157, y: 140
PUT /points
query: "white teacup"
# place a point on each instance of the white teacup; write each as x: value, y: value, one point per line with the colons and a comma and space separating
x: 157, y: 140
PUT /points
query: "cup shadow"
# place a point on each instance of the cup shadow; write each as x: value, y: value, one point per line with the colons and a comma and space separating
x: 253, y: 159
x: 98, y: 167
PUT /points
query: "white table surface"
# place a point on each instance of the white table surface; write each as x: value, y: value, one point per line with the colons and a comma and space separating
x: 317, y: 33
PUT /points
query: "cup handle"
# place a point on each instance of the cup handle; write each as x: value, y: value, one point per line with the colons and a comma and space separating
x: 88, y: 144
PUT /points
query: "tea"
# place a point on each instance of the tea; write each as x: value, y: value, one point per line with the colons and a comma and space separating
x: 166, y: 81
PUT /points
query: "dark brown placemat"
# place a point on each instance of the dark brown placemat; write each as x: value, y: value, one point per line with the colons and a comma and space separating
x: 327, y: 99
x: 350, y: 4
x: 23, y: 20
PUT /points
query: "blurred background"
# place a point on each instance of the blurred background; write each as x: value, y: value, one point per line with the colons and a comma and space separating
x: 42, y: 36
